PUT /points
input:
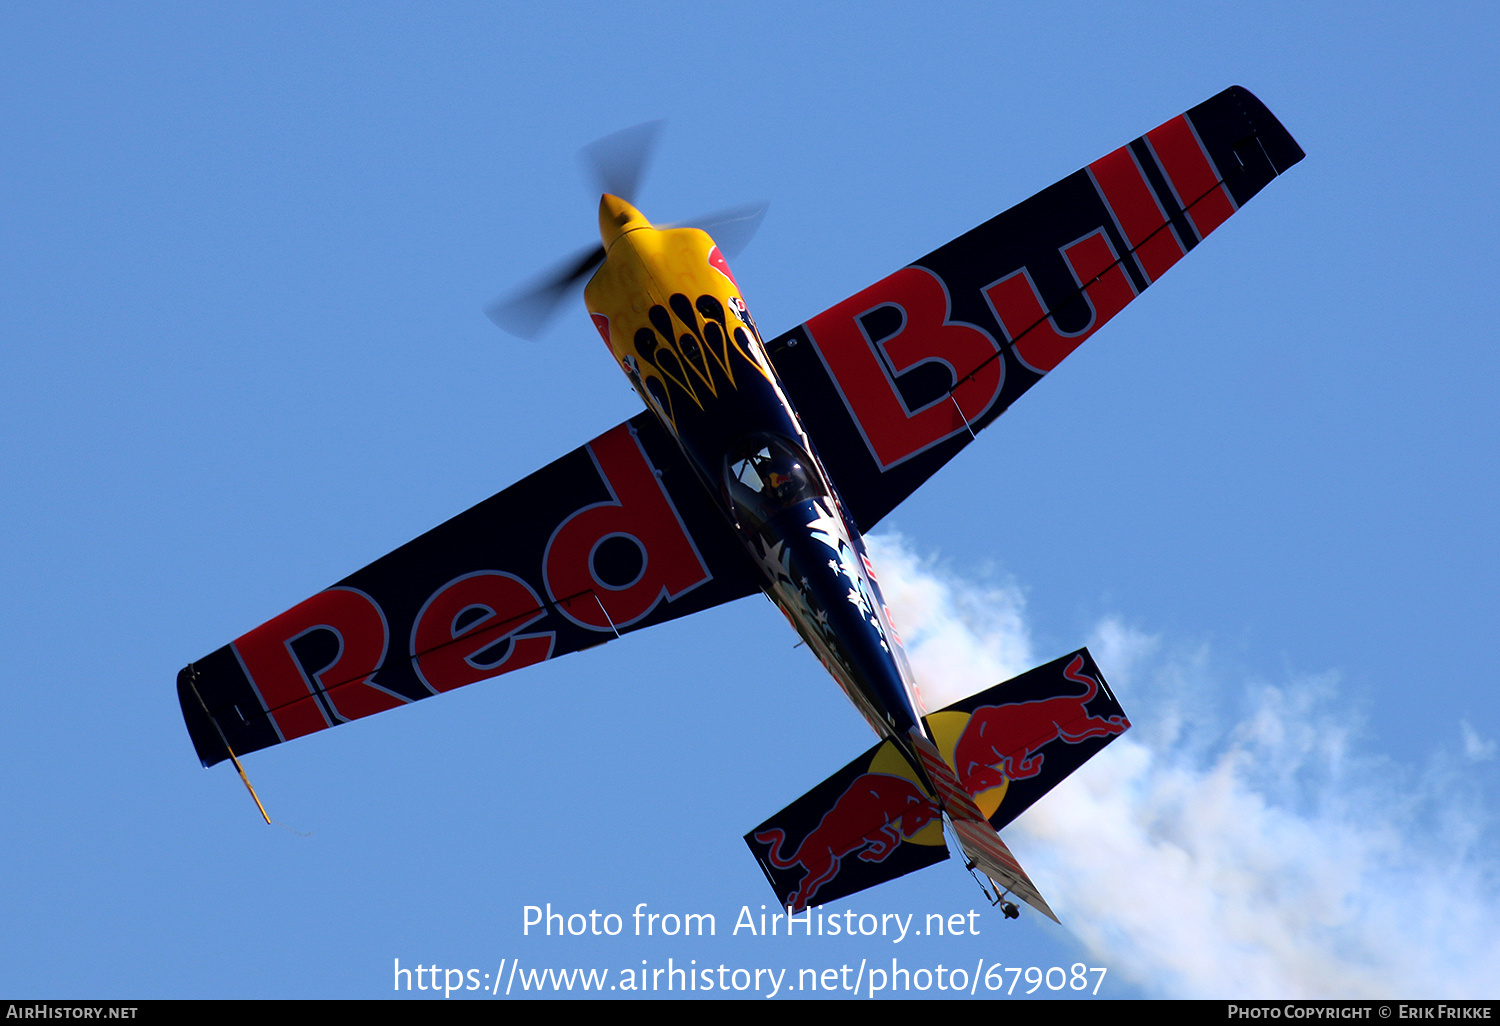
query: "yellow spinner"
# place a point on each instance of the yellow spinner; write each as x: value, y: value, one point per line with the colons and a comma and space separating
x: 667, y: 306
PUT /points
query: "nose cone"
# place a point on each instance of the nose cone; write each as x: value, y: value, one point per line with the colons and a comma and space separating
x: 616, y: 217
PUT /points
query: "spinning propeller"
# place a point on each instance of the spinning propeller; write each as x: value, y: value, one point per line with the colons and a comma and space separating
x: 616, y: 163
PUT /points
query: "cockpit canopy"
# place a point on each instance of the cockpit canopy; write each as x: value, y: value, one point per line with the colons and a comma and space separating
x: 765, y: 474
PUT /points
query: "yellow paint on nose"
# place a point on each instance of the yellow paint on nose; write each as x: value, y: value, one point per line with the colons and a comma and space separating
x: 616, y: 217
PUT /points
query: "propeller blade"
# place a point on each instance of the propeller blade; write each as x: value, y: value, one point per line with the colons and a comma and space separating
x: 618, y: 161
x: 733, y: 228
x: 527, y: 311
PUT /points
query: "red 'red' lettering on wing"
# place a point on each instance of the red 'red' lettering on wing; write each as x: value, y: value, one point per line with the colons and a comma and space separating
x: 468, y: 630
x: 641, y: 514
x: 313, y: 665
x: 1039, y: 343
x: 865, y: 369
x: 621, y: 527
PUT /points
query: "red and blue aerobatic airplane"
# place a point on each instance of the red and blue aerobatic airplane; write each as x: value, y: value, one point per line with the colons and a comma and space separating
x: 758, y: 466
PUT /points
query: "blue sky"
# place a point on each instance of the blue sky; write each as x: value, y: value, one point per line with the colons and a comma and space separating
x: 244, y: 254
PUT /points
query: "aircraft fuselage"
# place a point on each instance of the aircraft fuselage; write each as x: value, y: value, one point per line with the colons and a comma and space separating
x: 672, y: 315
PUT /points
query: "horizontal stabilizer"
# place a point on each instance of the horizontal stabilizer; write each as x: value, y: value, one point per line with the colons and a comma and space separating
x: 1013, y: 743
x: 870, y: 822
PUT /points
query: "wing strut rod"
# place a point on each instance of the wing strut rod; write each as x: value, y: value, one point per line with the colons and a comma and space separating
x: 241, y: 770
x: 960, y: 410
x: 606, y: 614
x: 193, y: 683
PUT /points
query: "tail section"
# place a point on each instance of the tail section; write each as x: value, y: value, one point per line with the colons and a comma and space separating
x: 981, y: 845
x: 988, y: 759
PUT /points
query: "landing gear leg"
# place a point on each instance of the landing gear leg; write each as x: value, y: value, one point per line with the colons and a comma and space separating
x: 996, y: 897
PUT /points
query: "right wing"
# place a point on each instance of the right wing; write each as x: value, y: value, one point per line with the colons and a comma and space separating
x: 616, y: 535
x: 894, y: 380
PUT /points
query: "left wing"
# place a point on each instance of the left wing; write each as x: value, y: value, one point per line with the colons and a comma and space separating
x: 894, y: 380
x: 614, y: 536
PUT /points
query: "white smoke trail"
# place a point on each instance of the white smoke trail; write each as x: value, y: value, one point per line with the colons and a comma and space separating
x: 1209, y: 855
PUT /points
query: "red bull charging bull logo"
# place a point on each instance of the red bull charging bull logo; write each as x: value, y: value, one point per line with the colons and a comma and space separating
x: 898, y: 807
x: 1012, y: 743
